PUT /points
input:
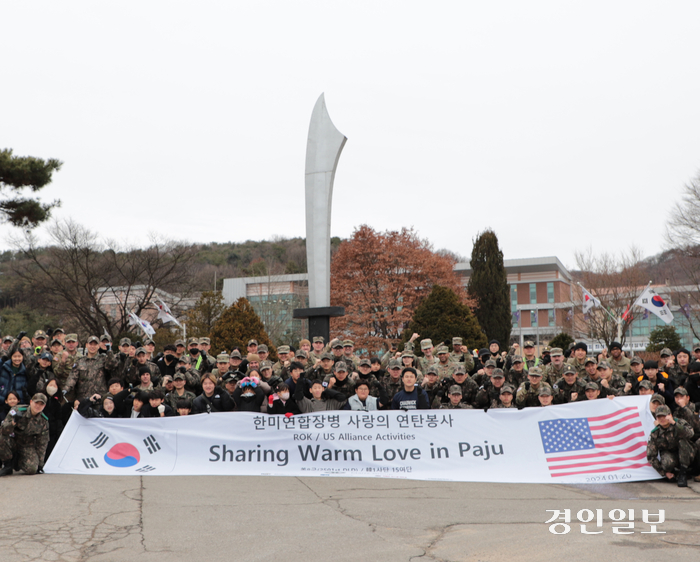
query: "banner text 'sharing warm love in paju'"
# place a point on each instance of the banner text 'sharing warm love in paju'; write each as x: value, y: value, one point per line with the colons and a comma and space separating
x: 592, y: 441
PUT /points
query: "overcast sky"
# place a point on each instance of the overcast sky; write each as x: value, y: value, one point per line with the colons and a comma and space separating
x: 560, y: 125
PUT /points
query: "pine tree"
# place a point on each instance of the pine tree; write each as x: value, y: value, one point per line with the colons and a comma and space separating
x: 442, y: 316
x: 664, y: 336
x: 236, y: 326
x: 562, y: 340
x: 488, y: 284
x: 204, y: 314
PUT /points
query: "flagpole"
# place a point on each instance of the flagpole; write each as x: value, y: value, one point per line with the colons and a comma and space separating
x: 601, y: 305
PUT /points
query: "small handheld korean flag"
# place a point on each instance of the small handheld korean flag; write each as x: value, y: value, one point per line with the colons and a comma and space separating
x: 650, y: 300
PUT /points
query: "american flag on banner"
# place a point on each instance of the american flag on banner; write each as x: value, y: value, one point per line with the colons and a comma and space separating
x: 594, y: 445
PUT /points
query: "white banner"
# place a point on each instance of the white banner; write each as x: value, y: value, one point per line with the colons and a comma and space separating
x: 591, y: 441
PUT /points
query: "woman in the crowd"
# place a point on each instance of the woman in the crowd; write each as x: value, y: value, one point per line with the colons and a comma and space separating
x: 13, y: 377
x: 213, y: 398
x: 57, y: 410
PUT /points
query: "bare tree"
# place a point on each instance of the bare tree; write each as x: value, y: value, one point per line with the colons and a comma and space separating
x: 93, y: 284
x: 616, y: 281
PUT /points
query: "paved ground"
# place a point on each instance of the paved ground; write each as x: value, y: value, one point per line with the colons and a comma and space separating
x: 113, y: 519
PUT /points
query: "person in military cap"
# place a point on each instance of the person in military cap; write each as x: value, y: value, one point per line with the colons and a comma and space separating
x: 39, y: 342
x: 339, y: 380
x: 199, y: 360
x: 283, y: 360
x: 426, y: 346
x: 667, y: 359
x: 364, y: 372
x: 545, y: 396
x: 645, y: 388
x: 527, y: 395
x: 323, y: 368
x: 263, y: 352
x: 655, y: 401
x: 591, y: 371
x: 612, y: 383
x: 351, y: 360
x: 150, y: 346
x: 592, y: 391
x: 617, y: 361
x: 105, y: 343
x: 337, y: 350
x: 59, y: 334
x: 636, y: 369
x: 205, y: 347
x: 135, y: 370
x: 302, y: 356
x: 6, y: 343
x: 669, y: 449
x: 223, y: 360
x: 180, y: 348
x: 24, y: 436
x: 530, y: 360
x: 392, y: 380
x: 505, y: 398
x: 547, y: 355
x: 457, y: 354
x: 431, y: 385
x: 483, y: 375
x: 465, y: 382
x: 569, y: 388
x: 179, y: 391
x: 685, y: 410
x: 91, y: 372
x: 445, y: 367
x: 317, y: 348
x: 68, y: 358
x: 455, y: 400
x: 555, y: 370
x: 490, y: 391
x: 192, y: 376
x: 235, y: 360
x: 578, y: 361
x: 516, y: 374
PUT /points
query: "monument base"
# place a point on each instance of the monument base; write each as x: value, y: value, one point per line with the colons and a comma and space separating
x: 319, y: 319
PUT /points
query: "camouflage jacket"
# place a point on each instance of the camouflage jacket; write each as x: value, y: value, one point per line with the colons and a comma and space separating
x: 668, y: 439
x: 445, y: 371
x: 131, y: 376
x: 527, y: 395
x: 90, y: 375
x: 621, y: 366
x: 552, y: 374
x: 423, y: 363
x: 465, y: 358
x: 469, y: 390
x: 486, y: 395
x: 616, y: 385
x: 28, y: 430
x: 495, y: 404
x: 451, y: 406
x: 580, y: 367
x: 688, y: 414
x: 391, y: 387
x: 172, y: 397
x: 562, y: 391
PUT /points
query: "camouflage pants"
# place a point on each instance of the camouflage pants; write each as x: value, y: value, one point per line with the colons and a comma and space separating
x: 680, y: 458
x: 25, y: 454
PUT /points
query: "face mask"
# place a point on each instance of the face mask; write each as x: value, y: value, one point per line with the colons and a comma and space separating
x: 248, y: 394
x: 284, y: 396
x: 51, y: 390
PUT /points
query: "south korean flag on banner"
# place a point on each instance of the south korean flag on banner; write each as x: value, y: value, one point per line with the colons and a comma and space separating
x: 112, y: 451
x: 650, y: 300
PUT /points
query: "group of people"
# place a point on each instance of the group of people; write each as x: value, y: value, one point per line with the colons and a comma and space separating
x: 44, y: 378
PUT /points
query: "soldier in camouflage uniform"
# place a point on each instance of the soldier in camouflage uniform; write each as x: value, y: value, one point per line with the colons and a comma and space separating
x: 483, y: 375
x: 490, y: 392
x: 392, y: 380
x: 317, y: 344
x: 464, y: 381
x: 192, y: 376
x: 527, y: 395
x: 91, y: 372
x: 530, y: 360
x: 545, y: 396
x: 24, y: 436
x: 283, y: 360
x: 178, y: 392
x: 505, y: 399
x: 62, y: 369
x: 569, y: 388
x: 431, y: 385
x: 351, y: 360
x: 340, y: 380
x: 516, y: 375
x: 669, y: 450
x: 555, y: 370
x: 428, y: 358
x: 455, y: 400
x: 578, y: 359
x: 205, y: 346
x: 365, y: 374
x: 133, y: 374
x: 614, y: 384
x: 223, y: 361
x: 618, y: 362
x: 323, y: 370
x: 685, y: 410
x: 460, y: 354
x: 445, y: 367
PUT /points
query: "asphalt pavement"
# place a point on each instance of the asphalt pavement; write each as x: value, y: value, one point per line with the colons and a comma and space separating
x: 215, y: 518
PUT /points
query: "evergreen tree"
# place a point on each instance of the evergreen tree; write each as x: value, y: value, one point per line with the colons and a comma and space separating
x: 442, y: 316
x: 664, y: 336
x: 488, y: 284
x: 18, y: 173
x: 562, y: 340
x: 236, y: 326
x: 204, y: 314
